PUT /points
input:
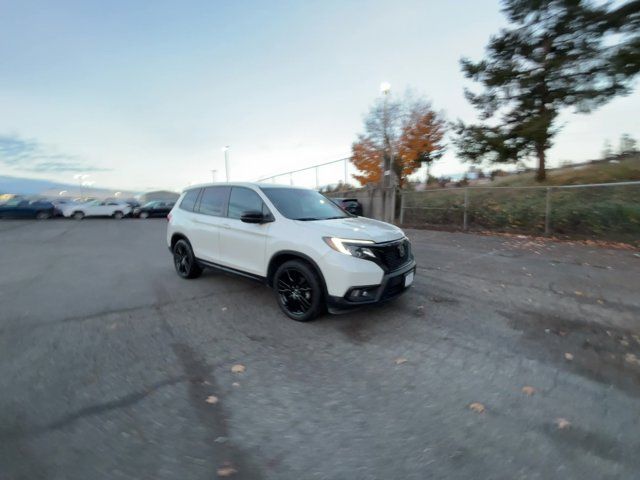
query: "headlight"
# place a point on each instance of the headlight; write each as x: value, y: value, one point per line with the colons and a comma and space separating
x: 355, y: 248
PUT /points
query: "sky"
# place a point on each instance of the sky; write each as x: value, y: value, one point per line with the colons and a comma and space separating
x: 144, y: 94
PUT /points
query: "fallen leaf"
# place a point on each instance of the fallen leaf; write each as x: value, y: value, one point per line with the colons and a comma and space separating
x: 563, y: 333
x: 477, y: 407
x: 238, y: 368
x: 224, y: 309
x: 636, y: 338
x: 212, y: 399
x: 578, y: 293
x: 563, y: 423
x: 568, y: 356
x: 400, y: 360
x: 624, y: 343
x: 601, y: 302
x: 226, y: 470
x: 528, y: 390
x: 631, y: 358
x: 235, y: 384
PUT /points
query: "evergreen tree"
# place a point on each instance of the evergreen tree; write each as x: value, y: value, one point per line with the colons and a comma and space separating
x: 556, y: 54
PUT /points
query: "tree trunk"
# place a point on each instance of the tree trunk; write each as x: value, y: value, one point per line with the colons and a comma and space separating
x: 542, y: 170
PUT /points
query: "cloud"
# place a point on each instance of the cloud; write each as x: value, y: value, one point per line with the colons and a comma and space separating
x: 33, y: 156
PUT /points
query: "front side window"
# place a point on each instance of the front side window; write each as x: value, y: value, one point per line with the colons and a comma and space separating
x: 300, y: 204
x: 244, y: 200
x: 213, y: 201
x: 189, y: 200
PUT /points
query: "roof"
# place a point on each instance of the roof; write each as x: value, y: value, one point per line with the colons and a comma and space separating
x: 244, y: 184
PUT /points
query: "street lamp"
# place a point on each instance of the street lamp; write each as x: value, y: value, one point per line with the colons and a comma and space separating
x: 81, y: 177
x: 225, y: 149
x: 385, y: 89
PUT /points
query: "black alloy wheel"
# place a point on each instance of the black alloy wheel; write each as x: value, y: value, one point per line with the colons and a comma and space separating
x: 184, y: 260
x: 299, y: 291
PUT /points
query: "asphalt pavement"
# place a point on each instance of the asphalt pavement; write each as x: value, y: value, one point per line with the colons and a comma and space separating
x: 510, y: 358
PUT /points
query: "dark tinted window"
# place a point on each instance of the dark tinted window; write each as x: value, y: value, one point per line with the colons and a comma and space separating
x: 243, y: 200
x: 189, y: 200
x: 302, y: 204
x: 214, y: 201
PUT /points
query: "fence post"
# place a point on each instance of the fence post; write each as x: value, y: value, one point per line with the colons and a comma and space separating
x: 345, y: 173
x: 547, y: 213
x: 465, y: 220
x: 401, y: 207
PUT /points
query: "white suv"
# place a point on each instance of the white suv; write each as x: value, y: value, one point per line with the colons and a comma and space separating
x: 313, y: 253
x: 96, y: 208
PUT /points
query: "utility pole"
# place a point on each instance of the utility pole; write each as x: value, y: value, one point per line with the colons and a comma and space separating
x: 225, y: 149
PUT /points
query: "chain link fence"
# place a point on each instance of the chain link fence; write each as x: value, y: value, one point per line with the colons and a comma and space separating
x: 608, y: 210
x: 337, y: 174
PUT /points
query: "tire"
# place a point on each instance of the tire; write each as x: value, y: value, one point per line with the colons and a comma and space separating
x: 143, y: 215
x: 299, y: 290
x: 184, y: 261
x: 118, y: 215
x: 43, y: 215
x: 78, y: 215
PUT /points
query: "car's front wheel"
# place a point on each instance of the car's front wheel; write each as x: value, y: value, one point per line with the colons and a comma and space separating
x: 43, y: 215
x: 185, y: 261
x: 78, y: 215
x: 298, y: 290
x: 144, y: 215
x: 118, y: 215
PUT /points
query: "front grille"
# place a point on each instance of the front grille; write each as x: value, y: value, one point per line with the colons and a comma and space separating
x: 394, y: 287
x: 393, y: 255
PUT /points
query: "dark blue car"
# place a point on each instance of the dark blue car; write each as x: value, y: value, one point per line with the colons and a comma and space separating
x: 21, y: 208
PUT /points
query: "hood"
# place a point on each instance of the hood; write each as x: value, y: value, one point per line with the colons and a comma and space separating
x: 357, y: 228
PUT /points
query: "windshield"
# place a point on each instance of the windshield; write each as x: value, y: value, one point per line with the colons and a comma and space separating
x: 300, y: 204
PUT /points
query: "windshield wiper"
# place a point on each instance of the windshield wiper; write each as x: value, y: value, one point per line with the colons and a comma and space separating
x: 308, y: 219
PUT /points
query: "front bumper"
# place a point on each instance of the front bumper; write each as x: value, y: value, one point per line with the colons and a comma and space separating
x: 391, y: 286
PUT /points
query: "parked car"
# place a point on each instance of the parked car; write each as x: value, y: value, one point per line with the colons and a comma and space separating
x: 96, y: 208
x: 156, y: 208
x: 310, y: 251
x: 61, y: 203
x: 351, y: 205
x: 23, y: 208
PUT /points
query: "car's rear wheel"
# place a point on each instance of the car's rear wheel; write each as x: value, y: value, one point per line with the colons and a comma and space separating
x: 78, y: 215
x: 144, y: 215
x: 185, y: 261
x: 43, y: 215
x: 298, y: 290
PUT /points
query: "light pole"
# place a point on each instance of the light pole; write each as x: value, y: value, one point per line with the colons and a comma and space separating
x: 81, y: 177
x: 225, y: 149
x: 213, y: 175
x: 385, y: 89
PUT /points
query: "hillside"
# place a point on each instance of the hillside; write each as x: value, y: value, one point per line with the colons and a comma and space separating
x: 623, y: 170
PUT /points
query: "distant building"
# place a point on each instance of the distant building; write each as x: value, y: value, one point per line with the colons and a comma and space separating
x: 163, y: 195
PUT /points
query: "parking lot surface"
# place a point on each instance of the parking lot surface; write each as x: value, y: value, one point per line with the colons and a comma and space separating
x: 112, y: 367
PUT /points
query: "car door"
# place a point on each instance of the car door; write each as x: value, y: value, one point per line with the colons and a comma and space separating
x: 10, y: 208
x: 209, y: 213
x: 243, y: 245
x: 159, y: 209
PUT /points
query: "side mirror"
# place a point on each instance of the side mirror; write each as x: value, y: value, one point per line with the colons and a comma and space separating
x: 252, y: 216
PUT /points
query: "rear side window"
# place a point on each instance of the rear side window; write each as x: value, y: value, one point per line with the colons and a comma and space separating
x: 189, y: 200
x: 243, y: 200
x: 214, y: 201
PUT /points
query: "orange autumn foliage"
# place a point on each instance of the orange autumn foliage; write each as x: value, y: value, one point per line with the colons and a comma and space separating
x: 367, y: 158
x: 415, y: 138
